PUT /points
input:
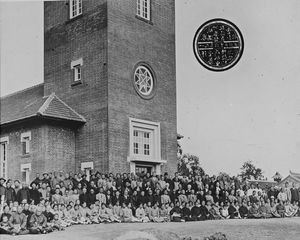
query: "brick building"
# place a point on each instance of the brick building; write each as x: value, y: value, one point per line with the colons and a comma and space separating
x: 108, y: 101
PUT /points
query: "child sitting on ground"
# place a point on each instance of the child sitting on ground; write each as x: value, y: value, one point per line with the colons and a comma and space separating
x: 56, y: 224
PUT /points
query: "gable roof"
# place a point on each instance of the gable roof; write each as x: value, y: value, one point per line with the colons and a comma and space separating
x: 292, y: 175
x: 31, y: 103
x: 296, y: 175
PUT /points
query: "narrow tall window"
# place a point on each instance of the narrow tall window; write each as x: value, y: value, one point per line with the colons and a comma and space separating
x: 25, y: 172
x: 76, y: 66
x: 75, y: 8
x: 143, y: 9
x: 3, y: 159
x: 25, y: 140
x: 77, y: 73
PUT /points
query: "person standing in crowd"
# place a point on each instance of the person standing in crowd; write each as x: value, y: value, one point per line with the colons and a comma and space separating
x: 2, y: 192
x: 10, y: 194
x: 294, y: 194
x: 287, y: 191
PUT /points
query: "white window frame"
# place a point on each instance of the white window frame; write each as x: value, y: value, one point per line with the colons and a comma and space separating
x: 140, y: 141
x: 4, y: 141
x: 75, y: 8
x: 26, y: 167
x: 26, y: 138
x: 148, y: 126
x: 86, y: 167
x: 143, y: 9
x: 76, y: 66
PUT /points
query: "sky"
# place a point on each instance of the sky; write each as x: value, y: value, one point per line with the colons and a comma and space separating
x: 249, y: 112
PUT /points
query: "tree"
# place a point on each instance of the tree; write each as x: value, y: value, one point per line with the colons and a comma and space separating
x: 250, y: 171
x: 223, y: 176
x: 189, y: 164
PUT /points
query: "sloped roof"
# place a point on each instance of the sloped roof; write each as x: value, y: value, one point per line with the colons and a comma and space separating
x: 56, y: 108
x: 296, y: 175
x: 31, y: 103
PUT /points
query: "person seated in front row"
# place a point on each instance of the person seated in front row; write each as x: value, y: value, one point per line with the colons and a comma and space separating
x: 234, y: 211
x: 5, y: 227
x: 127, y: 215
x: 164, y: 213
x: 155, y: 214
x: 253, y: 211
x: 215, y: 211
x: 243, y: 210
x: 18, y: 222
x: 140, y: 214
x: 265, y: 210
x: 186, y: 213
x: 112, y: 217
x: 224, y: 210
x: 38, y: 223
x: 204, y: 214
x: 289, y: 210
x: 296, y: 208
x: 281, y: 209
x: 56, y: 224
x: 175, y: 213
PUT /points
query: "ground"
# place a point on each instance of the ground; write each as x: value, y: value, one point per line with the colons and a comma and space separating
x: 275, y: 229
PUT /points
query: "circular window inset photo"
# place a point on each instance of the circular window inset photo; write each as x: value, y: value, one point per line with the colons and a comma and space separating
x: 218, y: 44
x: 144, y: 81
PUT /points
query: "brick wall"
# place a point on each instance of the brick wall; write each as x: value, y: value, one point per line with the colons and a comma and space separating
x: 130, y: 41
x: 52, y: 148
x: 65, y: 41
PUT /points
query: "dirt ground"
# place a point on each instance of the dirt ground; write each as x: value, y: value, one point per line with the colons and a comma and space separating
x: 275, y: 229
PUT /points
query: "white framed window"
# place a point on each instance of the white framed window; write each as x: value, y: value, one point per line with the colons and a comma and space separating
x: 25, y: 172
x: 144, y: 140
x: 75, y: 8
x: 77, y: 73
x: 143, y: 9
x: 76, y: 66
x: 87, y: 168
x: 3, y: 157
x: 25, y: 140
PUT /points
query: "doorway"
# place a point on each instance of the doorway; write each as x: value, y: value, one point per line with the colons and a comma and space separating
x: 141, y: 170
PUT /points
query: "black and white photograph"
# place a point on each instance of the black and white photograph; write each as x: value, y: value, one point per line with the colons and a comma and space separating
x: 150, y: 120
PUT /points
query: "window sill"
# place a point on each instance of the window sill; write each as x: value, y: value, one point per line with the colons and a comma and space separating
x: 74, y: 18
x: 144, y: 20
x: 76, y: 83
x: 27, y: 155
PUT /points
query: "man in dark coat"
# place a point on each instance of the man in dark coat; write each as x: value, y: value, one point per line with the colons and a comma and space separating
x: 91, y: 197
x: 84, y: 196
x: 294, y: 194
x: 23, y: 194
x: 34, y: 194
x: 10, y: 194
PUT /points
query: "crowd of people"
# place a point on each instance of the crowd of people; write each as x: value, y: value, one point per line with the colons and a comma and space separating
x: 55, y: 201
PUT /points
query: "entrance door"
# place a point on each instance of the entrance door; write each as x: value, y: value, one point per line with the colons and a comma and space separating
x: 141, y: 170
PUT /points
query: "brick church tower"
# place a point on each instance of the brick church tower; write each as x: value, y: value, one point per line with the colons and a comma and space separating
x: 112, y: 62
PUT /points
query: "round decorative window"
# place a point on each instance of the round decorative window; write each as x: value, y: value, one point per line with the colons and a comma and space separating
x: 144, y: 81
